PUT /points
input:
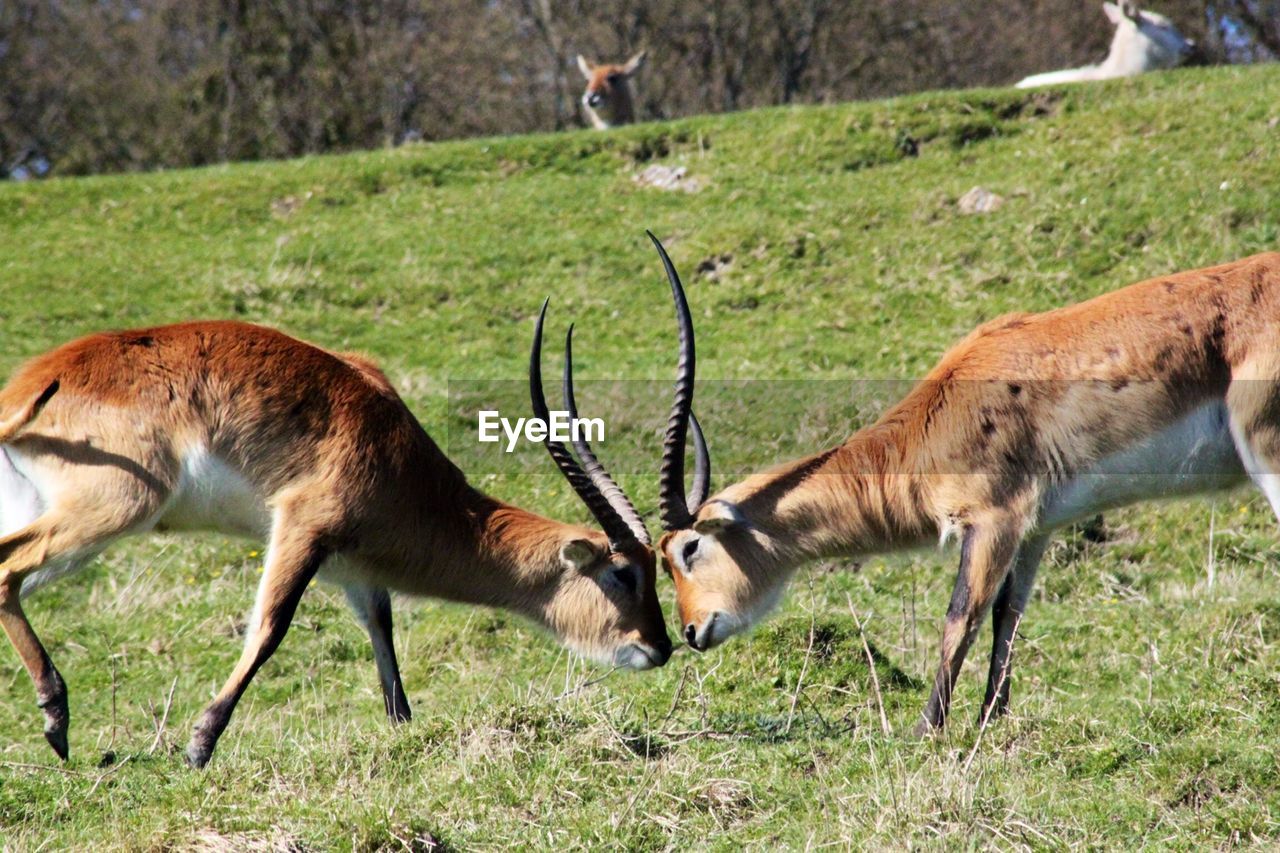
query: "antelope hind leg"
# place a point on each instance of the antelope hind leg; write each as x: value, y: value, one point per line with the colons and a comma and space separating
x: 1005, y: 617
x: 49, y: 540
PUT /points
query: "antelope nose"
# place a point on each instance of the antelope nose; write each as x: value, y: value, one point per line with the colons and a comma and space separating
x: 691, y: 637
x: 664, y: 649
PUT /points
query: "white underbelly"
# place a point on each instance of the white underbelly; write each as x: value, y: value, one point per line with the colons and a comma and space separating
x: 1193, y: 455
x: 211, y: 495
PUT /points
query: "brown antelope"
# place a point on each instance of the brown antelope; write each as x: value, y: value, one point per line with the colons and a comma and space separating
x: 239, y: 428
x: 1167, y: 387
x: 608, y: 98
x: 1143, y: 41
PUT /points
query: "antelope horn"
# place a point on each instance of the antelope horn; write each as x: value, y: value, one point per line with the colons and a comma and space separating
x: 701, y: 467
x: 677, y: 511
x: 620, y: 534
x: 612, y: 492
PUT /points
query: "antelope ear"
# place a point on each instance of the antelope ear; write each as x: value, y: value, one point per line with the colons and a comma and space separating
x: 633, y: 64
x: 584, y: 66
x: 580, y: 554
x: 717, y: 516
x: 1113, y: 13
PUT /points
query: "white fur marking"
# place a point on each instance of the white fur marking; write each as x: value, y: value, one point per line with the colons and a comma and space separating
x: 211, y: 495
x: 20, y: 501
x: 1266, y: 480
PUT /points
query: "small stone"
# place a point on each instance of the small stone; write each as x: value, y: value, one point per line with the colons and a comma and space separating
x: 979, y: 200
x: 663, y: 177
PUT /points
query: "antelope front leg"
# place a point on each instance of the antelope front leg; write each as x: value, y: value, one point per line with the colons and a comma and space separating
x: 291, y: 565
x: 372, y: 606
x: 986, y: 553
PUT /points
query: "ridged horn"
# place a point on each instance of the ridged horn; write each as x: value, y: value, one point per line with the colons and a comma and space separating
x: 611, y: 491
x: 620, y: 533
x: 676, y: 509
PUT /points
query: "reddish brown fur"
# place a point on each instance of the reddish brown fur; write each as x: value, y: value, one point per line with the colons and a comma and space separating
x: 342, y: 465
x: 1022, y: 404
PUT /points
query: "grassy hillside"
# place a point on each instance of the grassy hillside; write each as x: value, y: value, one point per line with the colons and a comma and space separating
x: 1146, y: 704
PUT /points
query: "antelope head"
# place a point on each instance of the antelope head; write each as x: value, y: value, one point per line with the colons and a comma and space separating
x: 608, y: 98
x: 606, y: 605
x: 719, y: 561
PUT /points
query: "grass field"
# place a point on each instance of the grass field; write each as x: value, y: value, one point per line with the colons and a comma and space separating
x: 1146, y: 706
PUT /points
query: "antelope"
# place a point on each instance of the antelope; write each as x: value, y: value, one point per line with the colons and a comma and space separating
x: 1143, y: 41
x: 1164, y: 388
x: 608, y: 99
x: 241, y: 429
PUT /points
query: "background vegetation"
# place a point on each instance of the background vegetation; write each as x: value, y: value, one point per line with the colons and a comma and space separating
x: 825, y: 243
x: 108, y: 86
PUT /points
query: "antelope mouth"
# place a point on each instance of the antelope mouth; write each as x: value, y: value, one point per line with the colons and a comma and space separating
x: 642, y: 656
x: 718, y: 627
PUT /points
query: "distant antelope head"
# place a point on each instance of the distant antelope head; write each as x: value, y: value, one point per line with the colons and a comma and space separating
x: 1143, y: 41
x: 608, y: 98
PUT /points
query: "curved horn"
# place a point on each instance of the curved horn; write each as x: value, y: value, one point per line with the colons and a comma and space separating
x: 612, y: 492
x: 701, y: 466
x: 677, y: 511
x: 619, y: 533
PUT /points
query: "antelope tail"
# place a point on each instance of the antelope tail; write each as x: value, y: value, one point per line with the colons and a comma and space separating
x: 11, y: 424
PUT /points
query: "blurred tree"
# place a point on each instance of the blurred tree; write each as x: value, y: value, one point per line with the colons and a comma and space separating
x: 110, y: 85
x: 1248, y: 30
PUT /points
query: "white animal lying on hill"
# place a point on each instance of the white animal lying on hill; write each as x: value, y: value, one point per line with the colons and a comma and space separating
x: 1144, y: 41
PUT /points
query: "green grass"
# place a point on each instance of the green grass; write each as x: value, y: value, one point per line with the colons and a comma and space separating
x: 1146, y: 701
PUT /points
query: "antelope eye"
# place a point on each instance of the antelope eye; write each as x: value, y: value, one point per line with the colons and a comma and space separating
x: 626, y: 578
x: 686, y: 554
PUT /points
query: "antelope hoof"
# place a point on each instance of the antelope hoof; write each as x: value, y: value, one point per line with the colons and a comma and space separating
x: 56, y: 722
x: 198, y: 753
x: 397, y: 707
x: 200, y: 748
x: 925, y: 730
x: 58, y: 740
x: 989, y: 714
